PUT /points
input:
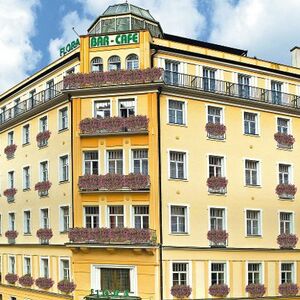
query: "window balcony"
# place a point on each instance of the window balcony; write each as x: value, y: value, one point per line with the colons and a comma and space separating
x: 10, y: 194
x: 128, y: 236
x: 215, y: 131
x: 31, y: 103
x: 286, y: 191
x: 114, y: 183
x: 217, y: 185
x: 288, y: 289
x: 284, y: 141
x: 114, y: 126
x: 255, y: 290
x: 218, y: 238
x: 11, y: 236
x: 226, y: 88
x: 287, y: 241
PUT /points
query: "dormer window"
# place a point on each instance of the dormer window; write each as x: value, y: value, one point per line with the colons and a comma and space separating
x: 97, y: 64
x: 114, y: 63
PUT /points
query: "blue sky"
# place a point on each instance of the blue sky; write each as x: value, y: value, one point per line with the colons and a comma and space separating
x: 267, y: 28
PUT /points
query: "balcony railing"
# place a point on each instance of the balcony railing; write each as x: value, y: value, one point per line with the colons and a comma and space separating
x: 231, y: 89
x: 30, y: 103
x: 112, y: 236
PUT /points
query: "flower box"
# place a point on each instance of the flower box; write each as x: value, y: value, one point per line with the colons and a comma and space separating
x: 43, y: 187
x: 10, y: 194
x: 98, y: 79
x: 11, y: 234
x: 66, y: 286
x: 219, y: 290
x: 255, y: 290
x: 215, y: 131
x: 286, y: 191
x: 112, y: 235
x: 217, y: 185
x: 44, y: 234
x: 181, y: 291
x: 218, y: 238
x: 288, y: 289
x: 287, y: 241
x: 113, y: 182
x: 26, y: 280
x: 11, y: 278
x: 284, y: 140
x: 42, y: 138
x: 10, y: 151
x: 44, y: 283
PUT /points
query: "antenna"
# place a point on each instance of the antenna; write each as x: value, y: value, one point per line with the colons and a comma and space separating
x: 73, y: 28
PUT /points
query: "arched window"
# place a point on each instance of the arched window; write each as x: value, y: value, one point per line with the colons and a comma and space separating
x: 97, y: 64
x: 114, y: 63
x: 132, y: 62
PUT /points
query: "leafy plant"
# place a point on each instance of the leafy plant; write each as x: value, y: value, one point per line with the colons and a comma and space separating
x: 286, y: 190
x: 10, y: 150
x: 11, y: 234
x: 44, y: 234
x: 215, y: 129
x: 284, y: 139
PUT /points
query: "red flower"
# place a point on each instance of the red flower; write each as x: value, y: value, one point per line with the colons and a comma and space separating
x: 219, y: 290
x: 26, y: 280
x: 288, y: 289
x: 44, y: 234
x: 11, y: 234
x: 215, y: 129
x: 217, y: 183
x: 10, y: 192
x: 66, y: 286
x: 284, y: 139
x: 286, y: 190
x: 43, y: 136
x: 255, y: 290
x: 217, y: 236
x: 287, y: 241
x: 10, y: 150
x: 136, y: 181
x: 11, y: 278
x: 181, y: 291
x: 44, y: 283
x: 42, y: 186
x: 136, y: 123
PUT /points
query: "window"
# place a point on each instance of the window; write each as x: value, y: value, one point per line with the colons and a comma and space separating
x: 11, y: 179
x: 217, y: 218
x: 283, y: 125
x: 244, y: 85
x: 26, y: 134
x: 64, y: 218
x: 10, y: 138
x: 43, y: 124
x: 115, y: 161
x: 91, y: 215
x: 180, y: 273
x: 11, y: 221
x: 254, y: 273
x: 44, y: 171
x: 284, y: 174
x: 27, y: 222
x: 26, y: 178
x: 63, y: 119
x: 114, y: 63
x: 216, y: 166
x: 50, y: 92
x: 116, y: 216
x: 116, y: 279
x: 215, y: 115
x: 44, y: 218
x: 32, y: 99
x: 253, y: 222
x: 64, y: 168
x: 252, y: 172
x: 70, y: 71
x: 132, y: 62
x: 97, y: 64
x: 276, y: 91
x: 102, y: 109
x: 250, y: 123
x: 179, y: 219
x: 12, y: 298
x: 141, y: 216
x: 140, y: 161
x: 27, y: 265
x: 177, y: 165
x: 172, y: 72
x: 12, y: 265
x: 286, y: 222
x: 64, y: 269
x: 287, y: 273
x: 218, y: 273
x: 209, y: 79
x: 91, y: 163
x: 45, y: 267
x: 126, y: 108
x: 177, y: 112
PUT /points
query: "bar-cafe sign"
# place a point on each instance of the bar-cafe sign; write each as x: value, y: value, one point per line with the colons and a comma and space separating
x: 114, y: 40
x: 106, y: 294
x: 69, y: 47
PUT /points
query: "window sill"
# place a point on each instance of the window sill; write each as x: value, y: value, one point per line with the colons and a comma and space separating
x: 63, y: 130
x: 284, y: 149
x: 64, y: 232
x: 26, y: 190
x: 27, y: 234
x: 178, y: 179
x: 216, y: 140
x: 26, y: 144
x: 253, y: 236
x: 252, y: 135
x: 253, y: 186
x: 179, y: 234
x: 64, y: 182
x: 43, y: 147
x: 175, y: 124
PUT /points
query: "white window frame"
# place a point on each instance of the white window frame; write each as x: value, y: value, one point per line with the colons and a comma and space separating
x: 107, y: 159
x: 24, y: 269
x: 187, y: 219
x: 66, y: 258
x: 41, y: 223
x: 24, y: 224
x: 258, y: 128
x: 260, y: 231
x: 189, y: 278
x: 23, y: 177
x: 292, y: 221
x: 40, y: 169
x: 39, y: 122
x: 108, y: 215
x: 132, y: 214
x: 259, y: 175
x: 61, y: 229
x: 9, y: 267
x: 290, y: 126
x: 186, y: 164
x: 225, y: 221
x: 131, y: 159
x: 23, y: 134
x: 59, y: 120
x: 218, y: 106
x: 291, y: 171
x: 101, y: 100
x: 60, y: 167
x: 83, y: 160
x: 41, y: 271
x: 135, y: 98
x: 84, y: 215
x: 185, y: 113
x: 224, y: 163
x: 226, y: 272
x: 261, y: 273
x: 294, y: 274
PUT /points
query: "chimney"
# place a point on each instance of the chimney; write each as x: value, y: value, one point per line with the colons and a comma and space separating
x: 295, y: 57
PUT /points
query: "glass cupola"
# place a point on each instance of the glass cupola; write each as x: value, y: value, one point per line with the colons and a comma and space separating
x: 125, y: 17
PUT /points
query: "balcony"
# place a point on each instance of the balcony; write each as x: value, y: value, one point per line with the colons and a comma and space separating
x: 114, y: 183
x: 217, y: 185
x: 110, y: 236
x: 286, y: 191
x: 114, y: 126
x: 218, y: 238
x: 27, y: 105
x: 231, y: 89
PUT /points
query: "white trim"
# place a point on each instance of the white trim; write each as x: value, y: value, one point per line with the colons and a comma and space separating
x: 59, y: 167
x: 107, y: 213
x: 60, y: 272
x: 40, y: 214
x: 106, y: 159
x: 225, y: 221
x: 135, y: 98
x: 60, y: 216
x: 187, y: 218
x: 291, y: 173
x: 185, y: 114
x: 226, y: 271
x: 258, y: 129
x: 189, y: 280
x: 292, y: 223
x: 48, y: 170
x: 90, y: 150
x: 23, y: 263
x: 259, y: 177
x: 39, y: 121
x: 45, y: 257
x: 262, y: 271
x: 186, y: 164
x: 216, y: 105
x: 58, y: 117
x: 260, y: 228
x: 27, y: 210
x: 294, y: 274
x: 101, y: 100
x: 22, y: 134
x: 29, y: 171
x: 290, y: 127
x: 84, y: 215
x: 224, y: 163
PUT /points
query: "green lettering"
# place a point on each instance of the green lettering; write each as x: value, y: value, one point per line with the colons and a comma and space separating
x: 62, y: 51
x: 135, y: 38
x: 130, y: 37
x: 77, y: 43
x: 124, y: 39
x: 68, y: 48
x: 118, y: 39
x: 106, y: 40
x: 93, y: 42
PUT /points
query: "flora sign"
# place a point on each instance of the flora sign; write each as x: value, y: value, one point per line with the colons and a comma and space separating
x: 114, y: 40
x: 69, y: 47
x: 106, y: 294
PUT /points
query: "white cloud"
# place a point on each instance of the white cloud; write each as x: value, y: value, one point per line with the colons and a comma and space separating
x: 175, y: 16
x: 267, y: 28
x: 18, y: 57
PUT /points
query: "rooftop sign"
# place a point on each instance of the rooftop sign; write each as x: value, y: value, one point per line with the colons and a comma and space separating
x: 114, y: 39
x: 69, y: 47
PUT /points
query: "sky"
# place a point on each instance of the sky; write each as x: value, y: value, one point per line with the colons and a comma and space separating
x: 32, y: 31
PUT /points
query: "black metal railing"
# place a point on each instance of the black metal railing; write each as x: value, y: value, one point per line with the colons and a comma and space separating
x: 30, y: 103
x: 231, y: 89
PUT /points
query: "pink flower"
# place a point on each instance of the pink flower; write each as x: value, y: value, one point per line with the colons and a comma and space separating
x: 11, y: 234
x: 43, y: 137
x: 284, y: 139
x: 217, y: 183
x: 66, y: 286
x: 217, y: 236
x: 11, y: 278
x: 286, y: 190
x: 255, y: 290
x: 44, y: 283
x: 10, y: 150
x: 181, y: 291
x: 219, y: 290
x: 288, y: 289
x: 215, y: 129
x: 26, y: 280
x: 287, y: 241
x: 10, y: 192
x: 42, y: 186
x: 44, y: 234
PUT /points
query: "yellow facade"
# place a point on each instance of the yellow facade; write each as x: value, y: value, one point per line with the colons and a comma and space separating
x: 167, y: 220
